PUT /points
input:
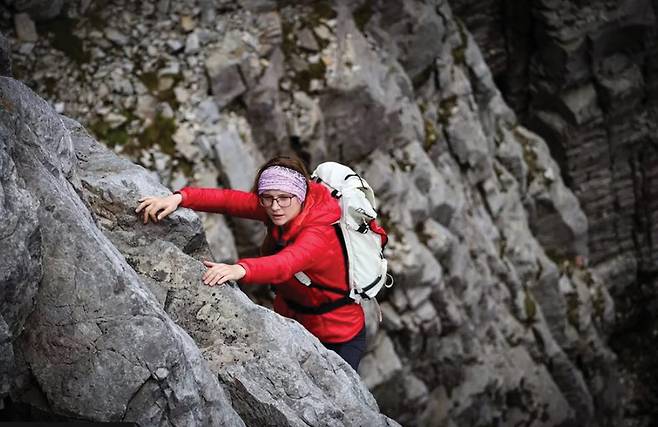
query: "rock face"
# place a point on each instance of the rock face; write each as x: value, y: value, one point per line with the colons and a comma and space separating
x: 88, y: 340
x: 583, y: 76
x: 88, y: 337
x: 495, y: 318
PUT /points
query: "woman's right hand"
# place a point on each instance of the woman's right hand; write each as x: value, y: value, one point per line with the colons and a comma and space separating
x: 154, y: 204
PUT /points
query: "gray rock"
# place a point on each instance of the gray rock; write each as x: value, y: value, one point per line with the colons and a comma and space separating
x: 225, y: 78
x: 366, y: 98
x: 84, y: 355
x: 26, y: 31
x: 273, y: 368
x: 192, y: 43
x: 116, y: 37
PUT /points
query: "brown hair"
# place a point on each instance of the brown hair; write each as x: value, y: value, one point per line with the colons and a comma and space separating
x: 291, y: 162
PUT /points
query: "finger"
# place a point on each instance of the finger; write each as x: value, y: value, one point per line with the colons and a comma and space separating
x: 207, y: 278
x: 165, y: 212
x: 146, y: 215
x: 221, y: 278
x: 210, y: 263
x: 140, y: 207
x: 152, y: 214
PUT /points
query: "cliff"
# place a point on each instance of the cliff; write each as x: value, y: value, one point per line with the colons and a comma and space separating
x: 497, y: 315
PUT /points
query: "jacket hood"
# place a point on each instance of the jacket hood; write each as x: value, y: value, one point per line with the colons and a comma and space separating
x: 319, y: 209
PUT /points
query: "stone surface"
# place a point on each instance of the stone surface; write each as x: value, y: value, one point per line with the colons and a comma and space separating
x: 272, y: 367
x: 95, y: 334
x: 495, y: 315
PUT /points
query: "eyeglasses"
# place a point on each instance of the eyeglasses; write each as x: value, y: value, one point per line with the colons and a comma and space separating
x: 282, y: 201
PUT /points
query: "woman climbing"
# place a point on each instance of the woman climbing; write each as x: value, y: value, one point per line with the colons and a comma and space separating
x: 300, y: 237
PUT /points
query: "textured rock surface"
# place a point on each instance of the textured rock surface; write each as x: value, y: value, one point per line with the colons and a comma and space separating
x: 583, y: 75
x: 496, y: 317
x: 276, y: 372
x: 88, y: 339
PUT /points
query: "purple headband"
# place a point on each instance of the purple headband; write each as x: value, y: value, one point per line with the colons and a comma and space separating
x: 282, y: 178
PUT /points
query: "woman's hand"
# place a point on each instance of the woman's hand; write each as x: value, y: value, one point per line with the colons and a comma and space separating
x: 153, y: 204
x: 220, y: 273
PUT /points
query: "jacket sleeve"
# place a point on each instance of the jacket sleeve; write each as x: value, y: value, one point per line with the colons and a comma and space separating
x: 310, y: 245
x: 230, y: 202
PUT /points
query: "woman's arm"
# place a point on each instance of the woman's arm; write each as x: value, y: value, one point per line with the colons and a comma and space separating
x: 310, y: 245
x: 229, y: 202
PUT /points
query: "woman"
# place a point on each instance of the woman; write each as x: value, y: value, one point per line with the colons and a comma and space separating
x: 299, y: 215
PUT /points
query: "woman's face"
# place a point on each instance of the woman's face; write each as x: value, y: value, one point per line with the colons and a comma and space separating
x: 280, y: 215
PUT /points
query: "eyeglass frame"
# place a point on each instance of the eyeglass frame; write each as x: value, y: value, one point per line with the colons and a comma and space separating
x: 275, y: 199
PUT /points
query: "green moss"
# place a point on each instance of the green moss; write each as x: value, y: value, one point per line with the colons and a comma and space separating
x: 362, y: 15
x: 573, y: 303
x: 445, y: 109
x: 159, y: 133
x: 459, y: 52
x: 563, y: 262
x: 111, y: 137
x: 431, y: 135
x: 529, y: 156
x: 405, y: 164
x: 63, y: 39
x: 150, y: 80
x: 502, y: 246
x: 315, y: 71
x: 322, y: 11
x: 598, y: 303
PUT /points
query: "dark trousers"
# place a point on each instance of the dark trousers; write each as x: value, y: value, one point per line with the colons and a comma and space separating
x: 351, y: 351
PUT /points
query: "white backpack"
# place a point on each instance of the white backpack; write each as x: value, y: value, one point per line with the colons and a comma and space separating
x: 363, y: 239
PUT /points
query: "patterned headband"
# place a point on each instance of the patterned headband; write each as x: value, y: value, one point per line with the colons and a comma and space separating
x: 285, y: 179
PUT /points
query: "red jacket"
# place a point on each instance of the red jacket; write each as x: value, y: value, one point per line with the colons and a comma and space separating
x: 311, y: 246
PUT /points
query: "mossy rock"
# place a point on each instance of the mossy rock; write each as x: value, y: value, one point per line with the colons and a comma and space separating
x: 573, y: 304
x: 446, y: 106
x: 530, y: 307
x: 459, y: 52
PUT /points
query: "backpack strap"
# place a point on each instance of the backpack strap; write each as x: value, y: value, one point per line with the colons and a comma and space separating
x: 320, y: 309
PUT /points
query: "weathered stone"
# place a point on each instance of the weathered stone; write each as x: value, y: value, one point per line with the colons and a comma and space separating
x: 240, y: 340
x: 92, y: 367
x: 192, y: 43
x: 26, y: 31
x: 115, y: 36
x: 225, y: 79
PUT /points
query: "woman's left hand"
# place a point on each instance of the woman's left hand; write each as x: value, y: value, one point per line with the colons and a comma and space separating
x: 219, y: 273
